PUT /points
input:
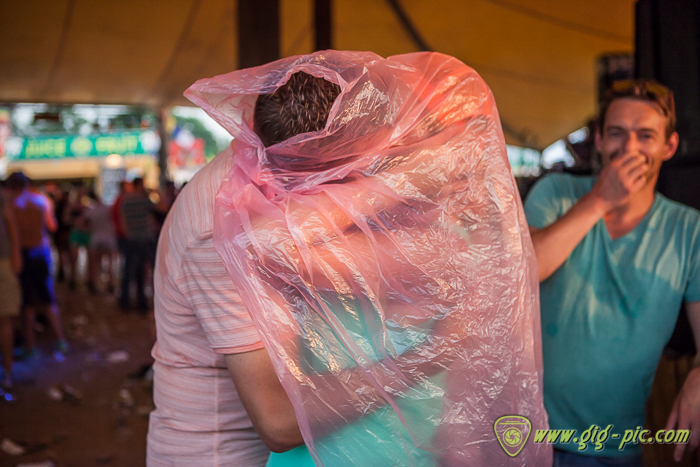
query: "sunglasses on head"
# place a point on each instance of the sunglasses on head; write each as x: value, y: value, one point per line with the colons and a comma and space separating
x: 643, y: 88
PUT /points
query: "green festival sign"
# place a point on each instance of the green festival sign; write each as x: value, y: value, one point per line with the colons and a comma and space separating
x: 76, y: 146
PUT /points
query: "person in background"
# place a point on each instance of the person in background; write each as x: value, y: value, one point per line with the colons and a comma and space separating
x: 61, y: 237
x: 139, y: 226
x: 35, y: 220
x: 165, y: 202
x: 116, y: 216
x: 103, y: 242
x: 10, y: 267
x: 615, y: 259
x: 80, y: 234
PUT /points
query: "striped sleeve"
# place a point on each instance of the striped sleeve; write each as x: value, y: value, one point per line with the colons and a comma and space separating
x: 210, y: 292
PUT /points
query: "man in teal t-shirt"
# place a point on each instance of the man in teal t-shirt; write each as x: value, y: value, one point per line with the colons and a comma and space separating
x: 615, y: 260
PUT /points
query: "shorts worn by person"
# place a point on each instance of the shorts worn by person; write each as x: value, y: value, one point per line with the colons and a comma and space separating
x: 615, y: 260
x: 37, y: 283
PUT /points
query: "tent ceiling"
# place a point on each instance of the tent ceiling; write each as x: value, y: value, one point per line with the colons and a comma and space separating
x: 538, y: 56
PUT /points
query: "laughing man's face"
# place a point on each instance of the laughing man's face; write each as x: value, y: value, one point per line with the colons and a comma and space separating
x: 634, y: 126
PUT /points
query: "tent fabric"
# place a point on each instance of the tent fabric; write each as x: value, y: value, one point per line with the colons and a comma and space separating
x: 538, y: 56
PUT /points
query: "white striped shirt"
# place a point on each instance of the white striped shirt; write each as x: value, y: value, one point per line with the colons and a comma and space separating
x: 199, y: 419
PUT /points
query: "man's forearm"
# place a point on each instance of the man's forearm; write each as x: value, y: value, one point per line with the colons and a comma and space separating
x: 264, y: 399
x: 554, y: 243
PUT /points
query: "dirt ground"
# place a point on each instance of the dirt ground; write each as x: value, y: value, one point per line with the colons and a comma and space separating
x: 88, y: 408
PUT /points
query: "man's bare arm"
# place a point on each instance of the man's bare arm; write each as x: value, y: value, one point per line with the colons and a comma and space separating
x: 554, y: 243
x: 264, y: 399
x: 617, y: 182
x: 49, y: 217
x: 685, y: 414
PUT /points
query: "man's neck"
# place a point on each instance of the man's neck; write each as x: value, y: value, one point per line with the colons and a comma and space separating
x: 623, y: 219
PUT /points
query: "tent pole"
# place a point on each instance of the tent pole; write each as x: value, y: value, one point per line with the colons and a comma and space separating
x: 408, y: 25
x: 258, y: 32
x: 323, y: 22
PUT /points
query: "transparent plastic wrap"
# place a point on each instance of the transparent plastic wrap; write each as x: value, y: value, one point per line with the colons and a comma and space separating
x: 386, y: 261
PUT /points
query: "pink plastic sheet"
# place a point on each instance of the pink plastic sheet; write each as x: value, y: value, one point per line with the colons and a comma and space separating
x: 386, y: 261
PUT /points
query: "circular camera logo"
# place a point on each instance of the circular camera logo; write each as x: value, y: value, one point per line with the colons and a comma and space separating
x: 512, y: 437
x: 512, y: 432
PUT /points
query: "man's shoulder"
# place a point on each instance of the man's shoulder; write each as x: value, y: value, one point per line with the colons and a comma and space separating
x: 37, y: 198
x: 677, y: 207
x: 192, y: 214
x: 677, y: 214
x: 553, y: 195
x: 215, y: 170
x: 33, y: 199
x: 561, y: 186
x: 567, y: 180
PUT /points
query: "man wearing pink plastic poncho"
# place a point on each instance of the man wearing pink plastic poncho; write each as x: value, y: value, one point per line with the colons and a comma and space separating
x: 382, y: 256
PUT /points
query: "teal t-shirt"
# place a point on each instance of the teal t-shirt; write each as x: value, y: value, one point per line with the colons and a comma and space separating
x: 610, y: 309
x: 380, y: 438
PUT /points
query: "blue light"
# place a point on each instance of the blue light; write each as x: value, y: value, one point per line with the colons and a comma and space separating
x: 8, y: 397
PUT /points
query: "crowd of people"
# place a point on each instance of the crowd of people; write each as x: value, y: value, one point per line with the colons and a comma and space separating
x: 43, y: 222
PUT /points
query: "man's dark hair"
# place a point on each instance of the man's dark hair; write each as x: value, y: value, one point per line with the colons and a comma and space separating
x: 644, y: 90
x: 18, y: 181
x: 301, y: 105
